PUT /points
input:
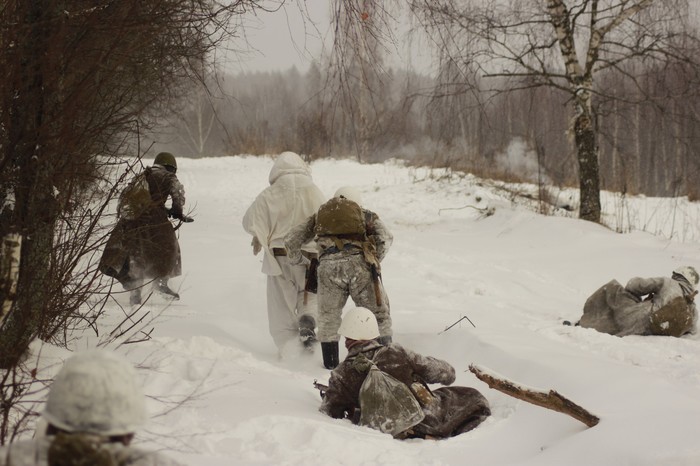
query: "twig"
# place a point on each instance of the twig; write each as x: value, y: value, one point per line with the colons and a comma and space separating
x: 484, y: 210
x: 460, y: 320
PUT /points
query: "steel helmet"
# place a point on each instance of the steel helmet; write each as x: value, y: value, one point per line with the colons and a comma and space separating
x: 96, y: 392
x: 348, y: 192
x: 359, y: 324
x: 689, y: 273
x: 166, y: 159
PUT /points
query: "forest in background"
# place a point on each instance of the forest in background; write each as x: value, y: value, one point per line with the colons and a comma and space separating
x: 647, y: 148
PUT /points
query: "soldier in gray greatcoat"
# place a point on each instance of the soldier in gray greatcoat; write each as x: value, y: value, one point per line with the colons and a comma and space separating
x: 349, y: 266
x: 645, y: 306
x: 143, y: 246
x: 448, y: 411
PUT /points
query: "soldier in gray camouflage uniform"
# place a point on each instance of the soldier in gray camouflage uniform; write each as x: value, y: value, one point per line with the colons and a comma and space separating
x: 448, y: 411
x: 349, y: 266
x: 93, y: 409
x: 645, y: 306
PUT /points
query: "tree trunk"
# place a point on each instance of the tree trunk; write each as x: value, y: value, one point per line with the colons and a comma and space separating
x: 589, y: 176
x: 9, y: 272
x: 34, y: 213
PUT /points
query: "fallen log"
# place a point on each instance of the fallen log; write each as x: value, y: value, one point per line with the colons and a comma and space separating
x: 550, y: 400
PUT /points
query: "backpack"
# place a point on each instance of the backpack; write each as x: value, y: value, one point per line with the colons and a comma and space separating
x: 340, y: 217
x: 674, y: 318
x: 135, y: 200
x: 387, y: 404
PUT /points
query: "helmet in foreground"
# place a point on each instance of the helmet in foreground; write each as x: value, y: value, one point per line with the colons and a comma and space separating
x: 359, y: 324
x: 689, y: 273
x: 348, y: 192
x: 166, y: 159
x: 96, y: 392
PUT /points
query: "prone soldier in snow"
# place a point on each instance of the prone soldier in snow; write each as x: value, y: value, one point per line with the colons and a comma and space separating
x: 444, y: 412
x: 645, y: 306
x: 93, y: 409
x: 143, y: 245
x: 352, y: 243
x: 291, y: 197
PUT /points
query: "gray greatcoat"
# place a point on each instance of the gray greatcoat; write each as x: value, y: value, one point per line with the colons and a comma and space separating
x: 621, y: 311
x: 345, y: 273
x: 454, y: 410
x: 146, y: 248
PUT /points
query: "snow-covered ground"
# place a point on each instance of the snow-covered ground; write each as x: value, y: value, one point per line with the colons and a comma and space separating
x: 515, y: 274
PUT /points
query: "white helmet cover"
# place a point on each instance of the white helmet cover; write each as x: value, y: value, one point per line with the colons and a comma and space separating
x: 689, y: 273
x: 96, y: 392
x: 359, y: 324
x: 348, y: 192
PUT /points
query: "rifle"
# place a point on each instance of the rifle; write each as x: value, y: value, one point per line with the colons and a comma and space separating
x: 321, y: 388
x: 376, y: 276
x: 311, y: 284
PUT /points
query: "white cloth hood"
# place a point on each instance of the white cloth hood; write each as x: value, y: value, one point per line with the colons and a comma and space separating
x: 291, y: 198
x: 288, y: 163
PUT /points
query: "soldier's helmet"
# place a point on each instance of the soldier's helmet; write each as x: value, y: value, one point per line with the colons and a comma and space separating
x: 359, y: 324
x: 348, y: 192
x: 96, y: 392
x: 166, y: 159
x: 689, y: 273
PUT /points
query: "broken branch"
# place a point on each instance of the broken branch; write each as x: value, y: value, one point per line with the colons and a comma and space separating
x: 550, y: 400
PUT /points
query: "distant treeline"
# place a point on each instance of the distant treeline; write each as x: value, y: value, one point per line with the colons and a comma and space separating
x: 647, y: 147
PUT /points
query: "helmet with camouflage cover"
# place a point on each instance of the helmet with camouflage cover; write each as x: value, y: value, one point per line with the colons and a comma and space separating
x: 96, y: 392
x: 166, y: 159
x: 350, y: 193
x: 689, y: 273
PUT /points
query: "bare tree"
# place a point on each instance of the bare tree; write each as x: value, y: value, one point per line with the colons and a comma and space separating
x: 78, y: 83
x: 362, y: 33
x: 561, y: 44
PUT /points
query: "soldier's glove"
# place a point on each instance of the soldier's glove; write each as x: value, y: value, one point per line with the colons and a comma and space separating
x: 257, y: 247
x: 178, y: 215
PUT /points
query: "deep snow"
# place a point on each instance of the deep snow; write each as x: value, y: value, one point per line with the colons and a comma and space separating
x: 515, y: 274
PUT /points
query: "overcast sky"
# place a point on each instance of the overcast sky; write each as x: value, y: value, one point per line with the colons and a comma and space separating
x: 282, y: 39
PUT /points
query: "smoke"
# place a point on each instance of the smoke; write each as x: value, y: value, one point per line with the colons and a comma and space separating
x: 521, y: 161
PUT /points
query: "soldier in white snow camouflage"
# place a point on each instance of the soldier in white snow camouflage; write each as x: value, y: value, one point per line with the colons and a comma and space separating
x: 289, y: 199
x: 349, y: 265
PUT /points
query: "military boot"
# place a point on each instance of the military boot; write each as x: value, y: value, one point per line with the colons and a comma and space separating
x: 330, y: 354
x: 135, y: 297
x: 162, y: 287
x: 306, y: 332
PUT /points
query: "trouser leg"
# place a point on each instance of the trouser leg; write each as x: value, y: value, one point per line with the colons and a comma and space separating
x: 362, y: 291
x: 281, y: 299
x: 332, y: 296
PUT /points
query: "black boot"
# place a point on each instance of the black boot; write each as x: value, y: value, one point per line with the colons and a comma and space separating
x: 306, y: 332
x: 162, y: 287
x: 330, y: 354
x: 135, y: 297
